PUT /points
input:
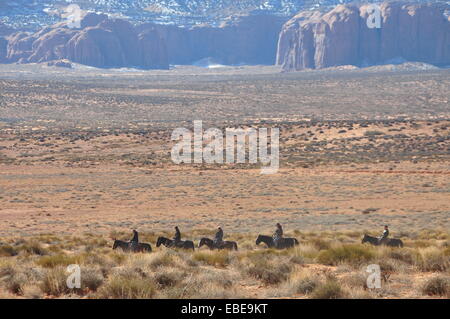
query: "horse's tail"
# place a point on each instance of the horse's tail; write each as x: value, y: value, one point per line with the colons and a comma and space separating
x: 235, y: 246
x: 296, y: 242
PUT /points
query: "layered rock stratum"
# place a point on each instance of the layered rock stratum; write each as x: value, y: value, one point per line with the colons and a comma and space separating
x: 342, y: 36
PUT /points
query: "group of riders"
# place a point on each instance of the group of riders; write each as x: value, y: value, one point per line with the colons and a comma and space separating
x: 218, y: 237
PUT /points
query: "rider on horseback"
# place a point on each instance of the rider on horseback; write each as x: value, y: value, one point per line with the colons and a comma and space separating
x: 177, y: 237
x: 383, y: 238
x: 278, y: 234
x: 134, y: 241
x: 218, y: 238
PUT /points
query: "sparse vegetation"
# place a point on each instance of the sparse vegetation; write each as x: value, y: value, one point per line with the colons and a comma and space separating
x: 352, y: 254
x: 325, y: 268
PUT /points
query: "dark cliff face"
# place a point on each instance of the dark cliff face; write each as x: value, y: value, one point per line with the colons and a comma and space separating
x: 412, y: 32
x: 243, y: 40
x: 3, y: 49
x: 99, y: 42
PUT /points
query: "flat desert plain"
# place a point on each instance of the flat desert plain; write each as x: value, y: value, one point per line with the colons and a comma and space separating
x: 86, y: 152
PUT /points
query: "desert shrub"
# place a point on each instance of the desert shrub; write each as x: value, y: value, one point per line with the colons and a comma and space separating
x: 99, y: 259
x: 33, y: 248
x: 15, y: 283
x: 7, y: 269
x: 421, y: 243
x: 437, y: 286
x: 118, y: 257
x: 404, y: 255
x: 48, y: 238
x: 168, y: 277
x: 91, y: 278
x: 214, y: 291
x: 58, y: 260
x: 54, y: 282
x: 320, y: 244
x: 125, y: 287
x: 209, y: 284
x: 306, y: 285
x: 353, y: 254
x: 270, y: 274
x: 446, y: 251
x: 431, y: 259
x: 329, y: 290
x: 392, y: 265
x: 7, y: 251
x: 161, y: 259
x: 307, y: 251
x: 355, y: 280
x: 297, y: 259
x: 212, y: 258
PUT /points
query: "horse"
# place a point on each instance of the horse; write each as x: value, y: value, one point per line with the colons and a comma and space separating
x: 185, y: 244
x: 125, y: 246
x: 268, y: 240
x: 143, y: 248
x: 282, y: 243
x: 232, y: 245
x: 391, y: 242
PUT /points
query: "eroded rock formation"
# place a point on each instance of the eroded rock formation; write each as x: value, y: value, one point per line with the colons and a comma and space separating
x: 411, y: 32
x: 100, y: 42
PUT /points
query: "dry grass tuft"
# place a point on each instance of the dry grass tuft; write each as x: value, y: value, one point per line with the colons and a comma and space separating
x: 437, y: 286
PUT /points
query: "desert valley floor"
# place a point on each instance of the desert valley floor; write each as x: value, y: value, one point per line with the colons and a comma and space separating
x: 87, y: 151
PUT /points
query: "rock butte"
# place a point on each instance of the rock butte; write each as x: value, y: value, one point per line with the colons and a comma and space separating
x: 411, y: 32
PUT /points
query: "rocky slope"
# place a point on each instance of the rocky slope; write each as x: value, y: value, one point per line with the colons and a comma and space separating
x: 411, y: 32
